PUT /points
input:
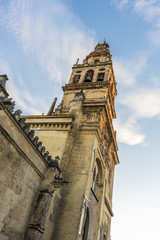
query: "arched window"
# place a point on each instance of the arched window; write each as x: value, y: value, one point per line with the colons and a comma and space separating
x: 89, y: 76
x: 76, y: 78
x: 95, y: 180
x: 100, y: 77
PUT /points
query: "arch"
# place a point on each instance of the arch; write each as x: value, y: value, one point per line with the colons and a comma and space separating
x: 100, y: 173
x: 76, y: 78
x: 97, y: 176
x: 95, y: 179
x: 89, y: 76
x: 100, y: 77
x: 96, y: 61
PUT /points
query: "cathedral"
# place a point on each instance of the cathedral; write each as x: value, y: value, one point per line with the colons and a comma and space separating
x: 57, y: 170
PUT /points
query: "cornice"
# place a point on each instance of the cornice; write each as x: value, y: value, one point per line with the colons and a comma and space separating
x: 92, y: 64
x: 84, y: 85
x: 49, y: 126
x: 51, y: 123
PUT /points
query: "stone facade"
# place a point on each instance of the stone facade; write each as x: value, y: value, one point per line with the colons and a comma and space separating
x: 81, y: 133
x: 29, y: 179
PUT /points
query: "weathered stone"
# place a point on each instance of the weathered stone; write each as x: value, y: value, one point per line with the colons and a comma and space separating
x: 17, y: 114
x: 22, y: 122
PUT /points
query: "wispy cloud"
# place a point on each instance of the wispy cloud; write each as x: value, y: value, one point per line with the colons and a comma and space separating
x: 140, y: 103
x: 120, y: 3
x: 20, y: 94
x: 126, y: 71
x: 50, y: 33
x: 148, y: 9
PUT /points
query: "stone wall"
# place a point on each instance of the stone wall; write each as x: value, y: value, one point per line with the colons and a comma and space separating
x: 22, y: 171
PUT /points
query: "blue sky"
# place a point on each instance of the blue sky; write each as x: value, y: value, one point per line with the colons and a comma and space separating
x: 39, y: 43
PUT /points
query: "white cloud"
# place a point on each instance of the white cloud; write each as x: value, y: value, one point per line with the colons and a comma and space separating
x: 149, y: 9
x: 126, y: 71
x: 128, y: 132
x: 144, y: 103
x: 50, y: 33
x: 22, y: 100
x: 120, y: 3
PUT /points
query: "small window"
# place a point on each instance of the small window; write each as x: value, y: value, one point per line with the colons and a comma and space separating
x: 100, y: 77
x: 76, y: 78
x: 96, y: 61
x: 101, y: 69
x: 86, y: 226
x: 89, y: 76
x: 78, y: 71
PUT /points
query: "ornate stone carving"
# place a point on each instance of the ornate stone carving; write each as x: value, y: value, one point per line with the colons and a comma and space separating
x: 36, y: 226
x: 35, y: 140
x: 17, y: 114
x: 31, y: 134
x: 26, y: 128
x: 22, y: 122
x: 79, y: 96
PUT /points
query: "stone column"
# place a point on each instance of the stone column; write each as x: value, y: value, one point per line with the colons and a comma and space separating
x: 36, y: 226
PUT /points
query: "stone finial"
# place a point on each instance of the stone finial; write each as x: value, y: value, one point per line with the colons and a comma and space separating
x: 17, y: 114
x: 31, y: 134
x: 49, y: 159
x: 22, y: 122
x: 26, y: 128
x: 39, y: 146
x: 3, y: 79
x: 46, y: 155
x: 7, y: 102
x: 51, y: 110
x: 43, y: 151
x: 54, y: 163
x: 35, y: 141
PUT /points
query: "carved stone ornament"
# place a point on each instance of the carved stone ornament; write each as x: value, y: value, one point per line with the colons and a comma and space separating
x: 83, y: 213
x: 79, y: 96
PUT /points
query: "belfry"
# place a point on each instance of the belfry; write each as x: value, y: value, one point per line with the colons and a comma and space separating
x: 72, y: 197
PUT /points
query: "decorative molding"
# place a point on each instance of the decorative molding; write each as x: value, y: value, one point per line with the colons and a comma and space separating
x: 108, y: 206
x: 60, y: 126
x: 91, y: 65
x: 85, y: 85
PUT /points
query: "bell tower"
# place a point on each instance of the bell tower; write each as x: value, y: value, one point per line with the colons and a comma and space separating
x: 81, y: 132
